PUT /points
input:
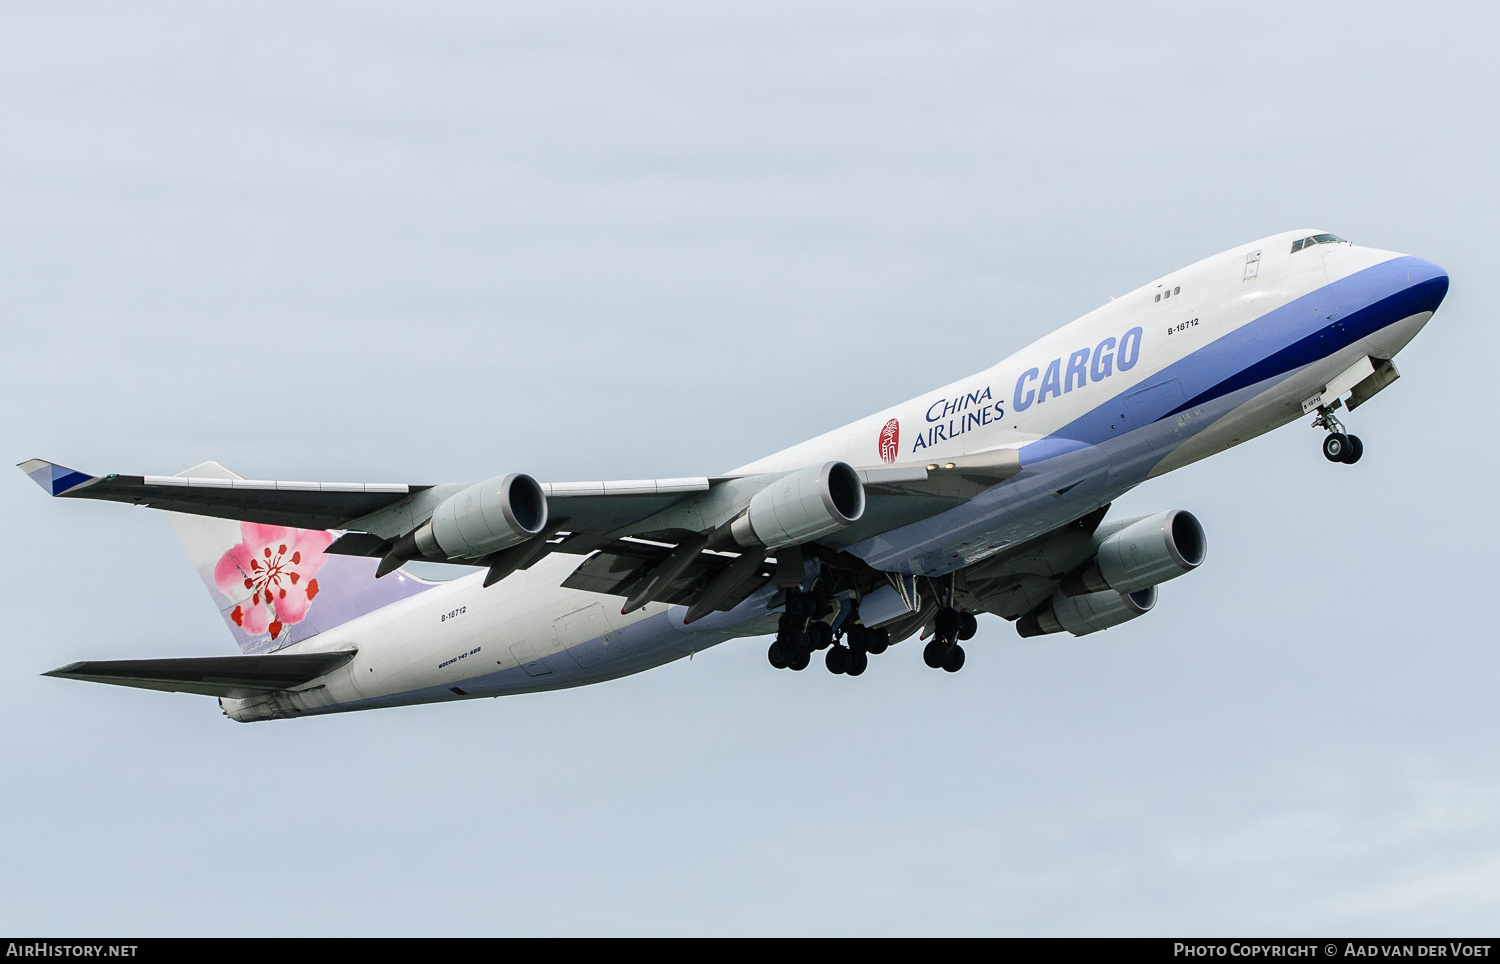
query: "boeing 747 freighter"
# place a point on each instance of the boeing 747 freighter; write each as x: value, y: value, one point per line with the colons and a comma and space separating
x: 989, y: 495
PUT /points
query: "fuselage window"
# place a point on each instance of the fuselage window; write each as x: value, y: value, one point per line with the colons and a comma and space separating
x: 1177, y: 290
x: 1169, y: 292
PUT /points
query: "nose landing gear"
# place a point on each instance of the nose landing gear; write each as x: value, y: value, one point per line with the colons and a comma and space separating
x: 1338, y: 445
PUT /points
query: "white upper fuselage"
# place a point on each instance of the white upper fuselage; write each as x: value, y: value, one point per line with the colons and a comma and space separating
x: 937, y: 425
x: 1185, y: 366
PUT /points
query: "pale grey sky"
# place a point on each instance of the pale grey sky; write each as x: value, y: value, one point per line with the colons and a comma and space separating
x: 438, y: 241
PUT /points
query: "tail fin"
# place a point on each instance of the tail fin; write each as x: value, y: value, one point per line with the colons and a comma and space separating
x: 275, y: 585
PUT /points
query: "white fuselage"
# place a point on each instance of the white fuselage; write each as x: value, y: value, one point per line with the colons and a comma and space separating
x: 1193, y: 363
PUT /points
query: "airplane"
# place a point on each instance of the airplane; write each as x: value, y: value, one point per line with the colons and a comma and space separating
x: 988, y: 495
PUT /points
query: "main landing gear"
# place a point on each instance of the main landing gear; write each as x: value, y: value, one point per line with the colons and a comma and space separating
x: 943, y: 652
x: 1338, y: 445
x: 858, y: 645
x: 801, y: 632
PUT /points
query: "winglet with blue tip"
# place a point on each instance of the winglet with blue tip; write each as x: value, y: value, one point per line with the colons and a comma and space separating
x: 56, y: 479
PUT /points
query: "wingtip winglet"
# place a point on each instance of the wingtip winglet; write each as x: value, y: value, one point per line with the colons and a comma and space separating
x: 53, y: 478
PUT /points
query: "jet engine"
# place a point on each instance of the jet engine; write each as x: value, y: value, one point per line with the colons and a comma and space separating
x: 1145, y: 552
x: 801, y: 506
x: 482, y: 519
x: 1088, y: 613
x: 486, y: 517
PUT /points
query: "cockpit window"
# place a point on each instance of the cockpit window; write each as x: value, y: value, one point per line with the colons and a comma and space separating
x: 1316, y: 239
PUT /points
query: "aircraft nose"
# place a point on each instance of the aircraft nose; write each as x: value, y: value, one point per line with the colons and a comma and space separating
x: 1427, y: 283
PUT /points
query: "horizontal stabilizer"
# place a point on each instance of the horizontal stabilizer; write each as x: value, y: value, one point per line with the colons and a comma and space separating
x: 235, y: 677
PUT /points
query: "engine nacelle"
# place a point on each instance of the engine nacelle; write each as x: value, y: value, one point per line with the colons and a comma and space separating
x: 485, y: 517
x: 1088, y: 613
x: 801, y: 506
x: 1146, y: 552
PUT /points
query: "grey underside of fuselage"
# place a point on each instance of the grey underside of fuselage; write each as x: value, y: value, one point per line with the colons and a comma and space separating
x: 645, y: 644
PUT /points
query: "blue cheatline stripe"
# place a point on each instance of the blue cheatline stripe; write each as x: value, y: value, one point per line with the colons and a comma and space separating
x: 1344, y: 331
x: 1280, y: 341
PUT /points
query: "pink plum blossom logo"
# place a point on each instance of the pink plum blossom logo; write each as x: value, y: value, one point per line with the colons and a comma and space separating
x: 269, y: 575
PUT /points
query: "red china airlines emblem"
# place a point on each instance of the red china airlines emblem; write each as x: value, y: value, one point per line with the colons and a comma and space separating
x: 890, y: 440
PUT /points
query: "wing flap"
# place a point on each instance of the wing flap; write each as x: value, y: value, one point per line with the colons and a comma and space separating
x: 235, y: 677
x: 616, y: 568
x: 612, y: 568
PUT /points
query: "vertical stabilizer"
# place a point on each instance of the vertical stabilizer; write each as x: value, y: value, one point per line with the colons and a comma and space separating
x: 274, y: 584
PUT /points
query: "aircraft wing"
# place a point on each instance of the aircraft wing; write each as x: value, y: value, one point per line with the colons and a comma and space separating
x: 389, y: 509
x: 236, y: 677
x: 679, y: 525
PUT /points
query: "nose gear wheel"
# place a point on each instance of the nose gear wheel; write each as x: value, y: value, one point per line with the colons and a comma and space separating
x: 1338, y: 444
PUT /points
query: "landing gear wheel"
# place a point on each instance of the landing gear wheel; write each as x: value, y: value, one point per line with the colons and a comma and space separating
x: 933, y: 653
x: 799, y: 660
x: 877, y: 641
x: 777, y: 654
x: 967, y: 626
x: 858, y: 663
x: 819, y: 635
x: 1356, y: 449
x: 1336, y: 447
x: 955, y: 659
x: 837, y: 660
x: 947, y: 623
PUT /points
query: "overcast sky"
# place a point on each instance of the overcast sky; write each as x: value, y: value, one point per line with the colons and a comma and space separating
x: 441, y: 241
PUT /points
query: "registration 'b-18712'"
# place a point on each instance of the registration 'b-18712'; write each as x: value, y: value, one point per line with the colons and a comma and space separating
x: 989, y: 495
